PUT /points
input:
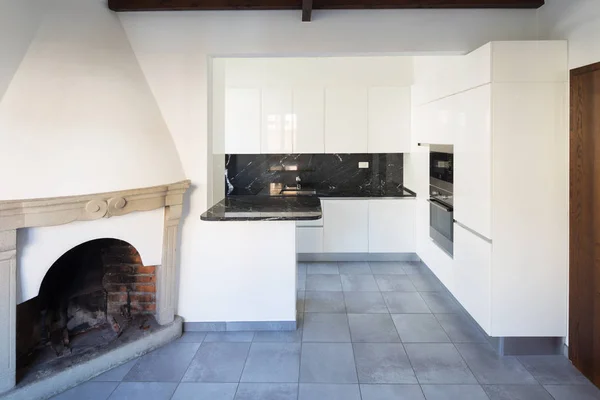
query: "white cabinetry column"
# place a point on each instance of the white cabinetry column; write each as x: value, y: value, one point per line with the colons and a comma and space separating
x: 8, y: 309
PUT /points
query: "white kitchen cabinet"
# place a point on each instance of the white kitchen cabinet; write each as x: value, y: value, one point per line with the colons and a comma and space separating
x: 346, y: 120
x: 473, y: 162
x: 345, y: 226
x: 472, y: 279
x: 389, y: 120
x: 276, y: 121
x: 510, y: 133
x: 392, y: 226
x: 309, y: 120
x: 242, y: 121
x: 309, y: 239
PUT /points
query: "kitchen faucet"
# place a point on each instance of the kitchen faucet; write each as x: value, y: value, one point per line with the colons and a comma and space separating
x: 298, y: 183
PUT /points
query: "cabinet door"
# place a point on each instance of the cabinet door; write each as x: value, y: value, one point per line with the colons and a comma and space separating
x: 392, y: 226
x: 389, y: 120
x: 472, y: 280
x: 346, y: 226
x: 309, y: 240
x: 277, y: 121
x: 473, y: 162
x: 309, y: 120
x: 346, y: 120
x: 242, y: 121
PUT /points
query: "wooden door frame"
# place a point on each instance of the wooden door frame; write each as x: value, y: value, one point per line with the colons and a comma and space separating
x: 577, y: 196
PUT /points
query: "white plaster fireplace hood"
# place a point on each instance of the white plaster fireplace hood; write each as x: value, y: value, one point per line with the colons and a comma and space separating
x: 79, y: 116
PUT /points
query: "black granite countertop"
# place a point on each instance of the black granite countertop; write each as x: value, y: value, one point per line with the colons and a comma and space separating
x: 265, y: 208
x: 387, y: 193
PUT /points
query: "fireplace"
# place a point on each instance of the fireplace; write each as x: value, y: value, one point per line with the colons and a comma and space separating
x: 97, y: 305
x: 88, y: 298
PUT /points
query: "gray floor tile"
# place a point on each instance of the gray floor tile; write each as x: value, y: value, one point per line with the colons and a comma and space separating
x: 415, y: 268
x: 272, y: 362
x: 395, y: 283
x: 359, y: 283
x: 405, y: 303
x: 116, y: 374
x: 144, y: 391
x: 301, y: 283
x: 327, y: 363
x: 323, y: 283
x: 426, y: 283
x: 419, y: 328
x: 205, y: 391
x: 438, y: 363
x: 229, y: 337
x: 460, y: 329
x: 325, y: 268
x: 355, y: 268
x: 391, y: 392
x: 300, y: 301
x: 454, y: 392
x: 323, y: 391
x: 365, y: 303
x: 553, y: 370
x: 372, y: 328
x: 167, y: 364
x: 332, y: 302
x: 387, y: 268
x: 573, y: 392
x: 517, y: 392
x: 218, y: 362
x: 489, y: 368
x: 302, y: 267
x: 267, y: 391
x: 441, y: 303
x: 192, y: 337
x: 88, y: 391
x: 383, y: 363
x: 322, y: 327
x: 279, y: 336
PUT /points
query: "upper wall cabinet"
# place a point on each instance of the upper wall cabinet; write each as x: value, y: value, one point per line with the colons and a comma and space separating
x: 309, y: 120
x: 389, y: 120
x: 346, y: 120
x: 242, y: 121
x: 276, y: 121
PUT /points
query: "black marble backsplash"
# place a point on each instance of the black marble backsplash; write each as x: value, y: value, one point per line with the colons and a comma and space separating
x: 328, y: 174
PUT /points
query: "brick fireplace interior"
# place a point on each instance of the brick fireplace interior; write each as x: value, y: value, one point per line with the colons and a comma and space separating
x: 88, y: 299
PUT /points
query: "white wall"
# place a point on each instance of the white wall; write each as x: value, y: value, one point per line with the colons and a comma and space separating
x: 19, y: 21
x: 39, y: 248
x: 578, y: 21
x: 174, y: 50
x: 78, y: 116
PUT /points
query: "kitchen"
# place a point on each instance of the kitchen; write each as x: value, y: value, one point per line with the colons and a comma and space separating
x: 368, y: 136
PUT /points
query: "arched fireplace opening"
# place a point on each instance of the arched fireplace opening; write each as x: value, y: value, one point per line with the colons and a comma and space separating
x: 87, y: 299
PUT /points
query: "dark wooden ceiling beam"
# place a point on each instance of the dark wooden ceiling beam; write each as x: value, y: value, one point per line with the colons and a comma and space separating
x: 307, y: 6
x: 162, y: 5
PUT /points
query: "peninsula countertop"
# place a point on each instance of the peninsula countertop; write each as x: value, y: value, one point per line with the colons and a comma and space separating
x: 265, y: 208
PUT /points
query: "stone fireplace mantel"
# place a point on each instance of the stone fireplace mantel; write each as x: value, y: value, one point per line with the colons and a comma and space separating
x: 18, y: 214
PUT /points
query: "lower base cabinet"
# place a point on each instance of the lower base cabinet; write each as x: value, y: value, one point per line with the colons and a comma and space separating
x: 345, y: 226
x: 309, y: 239
x: 472, y: 281
x: 392, y: 225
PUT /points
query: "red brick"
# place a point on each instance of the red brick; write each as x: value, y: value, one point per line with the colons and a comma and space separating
x: 143, y: 307
x: 145, y: 270
x: 145, y: 288
x: 117, y: 297
x: 142, y: 297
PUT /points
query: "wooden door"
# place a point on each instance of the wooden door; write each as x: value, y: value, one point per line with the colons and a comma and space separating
x: 584, y: 277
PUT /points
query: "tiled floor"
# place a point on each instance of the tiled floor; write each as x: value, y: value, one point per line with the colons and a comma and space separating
x: 370, y: 331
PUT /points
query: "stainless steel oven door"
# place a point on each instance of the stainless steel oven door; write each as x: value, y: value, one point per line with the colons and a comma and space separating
x: 441, y: 225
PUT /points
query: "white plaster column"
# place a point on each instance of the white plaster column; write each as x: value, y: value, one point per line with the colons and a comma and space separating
x: 8, y: 308
x: 166, y: 274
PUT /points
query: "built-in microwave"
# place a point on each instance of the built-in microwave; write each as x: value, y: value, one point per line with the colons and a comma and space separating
x: 441, y: 208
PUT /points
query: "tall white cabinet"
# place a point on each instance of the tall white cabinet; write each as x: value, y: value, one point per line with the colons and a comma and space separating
x: 509, y: 129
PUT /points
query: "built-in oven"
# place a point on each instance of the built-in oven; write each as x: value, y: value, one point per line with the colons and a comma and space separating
x: 441, y: 209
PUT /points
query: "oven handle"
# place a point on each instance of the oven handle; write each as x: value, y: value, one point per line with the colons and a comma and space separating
x: 440, y: 205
